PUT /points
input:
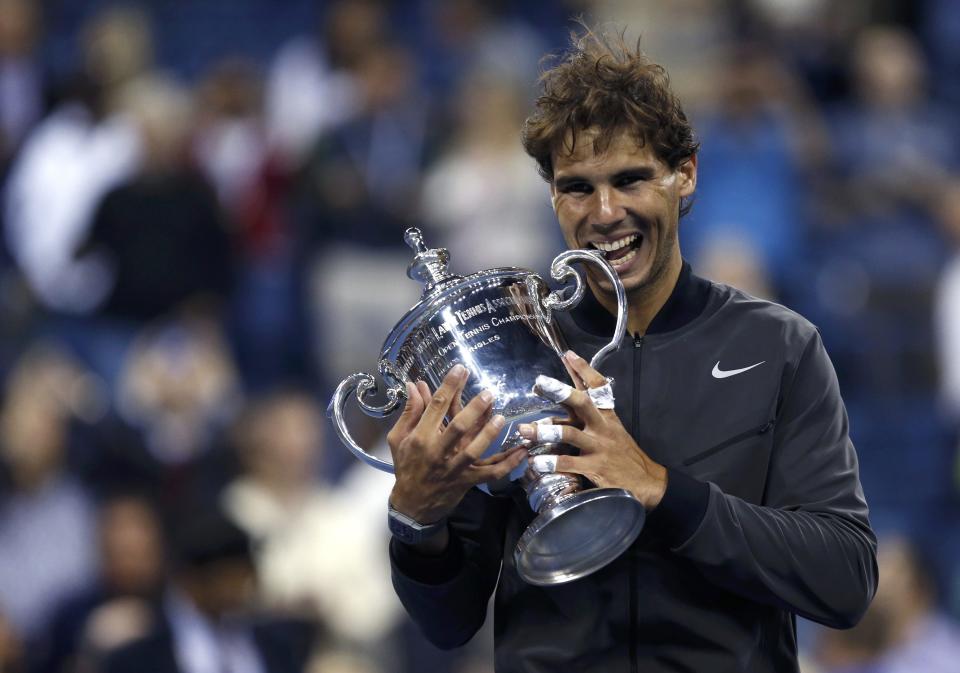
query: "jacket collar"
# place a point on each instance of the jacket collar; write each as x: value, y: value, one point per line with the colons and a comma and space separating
x: 687, y: 301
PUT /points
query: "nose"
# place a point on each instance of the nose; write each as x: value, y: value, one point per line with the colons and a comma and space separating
x: 608, y: 211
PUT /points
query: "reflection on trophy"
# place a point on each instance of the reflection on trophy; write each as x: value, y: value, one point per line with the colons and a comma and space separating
x: 499, y: 324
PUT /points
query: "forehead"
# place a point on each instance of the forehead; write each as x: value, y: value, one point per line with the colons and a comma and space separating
x: 624, y: 150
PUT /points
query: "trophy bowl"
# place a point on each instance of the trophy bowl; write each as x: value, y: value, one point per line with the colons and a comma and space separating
x: 499, y: 324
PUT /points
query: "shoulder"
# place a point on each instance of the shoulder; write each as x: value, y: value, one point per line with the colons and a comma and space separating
x: 740, y: 311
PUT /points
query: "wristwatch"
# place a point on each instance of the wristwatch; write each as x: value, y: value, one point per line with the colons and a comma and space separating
x: 409, y: 531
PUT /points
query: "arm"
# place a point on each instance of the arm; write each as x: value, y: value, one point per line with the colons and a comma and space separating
x: 809, y: 547
x: 444, y: 582
x: 447, y: 594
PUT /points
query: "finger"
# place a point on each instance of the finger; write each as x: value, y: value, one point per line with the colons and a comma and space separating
x: 479, y: 473
x: 552, y: 389
x: 577, y: 400
x: 424, y: 392
x: 440, y: 402
x: 479, y: 444
x: 557, y: 420
x: 457, y: 405
x: 498, y: 457
x: 409, y: 417
x: 542, y: 432
x: 466, y: 422
x: 577, y: 381
x: 563, y: 463
x: 590, y: 376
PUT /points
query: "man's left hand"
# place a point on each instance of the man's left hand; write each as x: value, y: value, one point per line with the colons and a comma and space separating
x: 608, y: 455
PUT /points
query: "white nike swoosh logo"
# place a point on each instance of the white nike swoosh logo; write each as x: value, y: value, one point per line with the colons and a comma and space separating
x: 720, y: 374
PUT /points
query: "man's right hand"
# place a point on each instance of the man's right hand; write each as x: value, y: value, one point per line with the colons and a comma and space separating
x: 436, y: 465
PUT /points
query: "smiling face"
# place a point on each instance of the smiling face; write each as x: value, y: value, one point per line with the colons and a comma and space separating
x: 624, y: 202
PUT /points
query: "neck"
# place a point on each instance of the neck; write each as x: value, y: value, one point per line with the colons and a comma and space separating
x: 644, y: 303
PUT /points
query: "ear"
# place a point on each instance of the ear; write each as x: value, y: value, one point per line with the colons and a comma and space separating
x: 687, y: 172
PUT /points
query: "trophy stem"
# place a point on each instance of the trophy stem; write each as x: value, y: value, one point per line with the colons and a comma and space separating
x: 576, y: 531
x: 548, y: 490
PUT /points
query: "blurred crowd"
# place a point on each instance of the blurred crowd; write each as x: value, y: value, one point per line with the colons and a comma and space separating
x: 202, y: 210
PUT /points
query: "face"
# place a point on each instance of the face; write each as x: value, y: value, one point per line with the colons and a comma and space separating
x: 625, y: 203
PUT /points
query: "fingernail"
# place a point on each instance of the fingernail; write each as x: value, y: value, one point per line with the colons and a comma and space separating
x: 411, y: 389
x: 571, y: 356
x: 527, y: 431
x: 459, y: 371
x: 486, y: 396
x: 498, y: 421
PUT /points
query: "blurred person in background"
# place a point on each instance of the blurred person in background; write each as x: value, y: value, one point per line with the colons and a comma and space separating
x: 47, y: 519
x: 877, y: 255
x: 357, y: 193
x: 893, y: 144
x: 481, y: 189
x: 904, y: 631
x: 229, y: 137
x: 761, y: 139
x: 311, y: 86
x: 132, y: 557
x: 71, y: 159
x: 178, y: 390
x: 320, y: 548
x: 21, y: 78
x: 471, y: 36
x: 267, y: 314
x: 207, y: 621
x: 160, y: 235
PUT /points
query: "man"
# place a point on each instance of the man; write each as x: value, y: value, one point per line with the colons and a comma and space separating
x: 728, y: 428
x: 204, y: 625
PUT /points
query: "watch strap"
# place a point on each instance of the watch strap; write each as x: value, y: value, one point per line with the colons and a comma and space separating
x: 410, y: 531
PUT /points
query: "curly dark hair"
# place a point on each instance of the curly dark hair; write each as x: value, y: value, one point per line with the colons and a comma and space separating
x: 604, y: 83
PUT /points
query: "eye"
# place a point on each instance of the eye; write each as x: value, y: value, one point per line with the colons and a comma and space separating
x: 576, y: 188
x: 628, y: 179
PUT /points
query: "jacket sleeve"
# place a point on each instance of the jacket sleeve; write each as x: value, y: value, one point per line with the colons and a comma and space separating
x: 808, y: 548
x: 447, y: 595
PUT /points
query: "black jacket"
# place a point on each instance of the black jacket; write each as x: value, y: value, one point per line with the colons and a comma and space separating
x: 763, y: 518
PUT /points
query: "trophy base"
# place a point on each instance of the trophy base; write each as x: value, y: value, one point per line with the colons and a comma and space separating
x: 579, y: 535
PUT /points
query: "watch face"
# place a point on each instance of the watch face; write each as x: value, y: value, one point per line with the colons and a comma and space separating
x: 402, y: 531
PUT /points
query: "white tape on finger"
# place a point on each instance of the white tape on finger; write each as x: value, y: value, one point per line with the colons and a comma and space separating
x: 544, y: 464
x: 552, y: 389
x: 602, y: 396
x: 549, y: 433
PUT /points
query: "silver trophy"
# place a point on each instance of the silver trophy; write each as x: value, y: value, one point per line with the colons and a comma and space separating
x: 499, y: 325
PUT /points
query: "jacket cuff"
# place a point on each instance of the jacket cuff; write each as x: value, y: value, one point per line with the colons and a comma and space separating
x: 424, y: 569
x: 681, y: 510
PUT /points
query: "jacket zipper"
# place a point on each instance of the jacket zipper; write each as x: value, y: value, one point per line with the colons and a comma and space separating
x: 637, y: 366
x: 724, y: 444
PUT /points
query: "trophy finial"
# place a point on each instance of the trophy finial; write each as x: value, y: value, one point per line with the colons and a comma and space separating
x: 429, y: 265
x: 414, y: 239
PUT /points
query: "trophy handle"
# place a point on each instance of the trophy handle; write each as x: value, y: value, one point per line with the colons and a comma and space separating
x: 561, y: 271
x: 364, y: 385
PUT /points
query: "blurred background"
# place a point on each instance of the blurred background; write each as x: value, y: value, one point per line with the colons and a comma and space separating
x: 202, y: 213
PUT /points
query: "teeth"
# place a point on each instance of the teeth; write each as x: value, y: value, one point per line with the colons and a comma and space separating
x: 615, y: 245
x: 623, y: 260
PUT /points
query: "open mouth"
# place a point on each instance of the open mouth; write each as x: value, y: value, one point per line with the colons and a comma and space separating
x: 621, y: 251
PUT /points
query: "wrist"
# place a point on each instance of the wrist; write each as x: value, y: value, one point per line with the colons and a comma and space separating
x: 659, y: 487
x: 409, y: 507
x: 414, y: 532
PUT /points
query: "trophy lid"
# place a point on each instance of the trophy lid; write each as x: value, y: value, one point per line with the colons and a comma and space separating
x: 429, y: 266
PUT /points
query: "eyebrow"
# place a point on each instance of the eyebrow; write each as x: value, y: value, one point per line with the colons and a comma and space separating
x: 644, y: 171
